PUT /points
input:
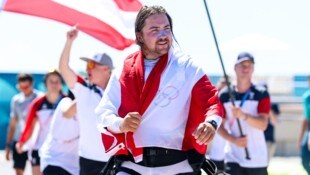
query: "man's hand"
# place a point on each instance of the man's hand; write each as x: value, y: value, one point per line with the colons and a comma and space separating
x: 204, y: 133
x: 131, y: 122
x: 7, y: 153
x: 241, y: 141
x: 72, y: 34
x: 237, y: 112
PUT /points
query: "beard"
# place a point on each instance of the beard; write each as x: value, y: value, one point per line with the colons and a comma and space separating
x: 161, y: 47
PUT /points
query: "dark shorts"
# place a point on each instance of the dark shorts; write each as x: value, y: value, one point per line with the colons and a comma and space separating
x: 90, y: 167
x: 35, y: 159
x: 55, y: 170
x: 235, y: 169
x: 19, y: 159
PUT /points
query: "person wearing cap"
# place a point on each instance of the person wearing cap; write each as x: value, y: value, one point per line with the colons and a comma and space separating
x: 20, y: 105
x: 161, y: 111
x: 98, y: 69
x: 252, y: 107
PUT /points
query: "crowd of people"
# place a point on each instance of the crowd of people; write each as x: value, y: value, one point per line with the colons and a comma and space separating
x: 156, y: 116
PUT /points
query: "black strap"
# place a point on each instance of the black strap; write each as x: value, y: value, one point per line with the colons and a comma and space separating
x: 109, y: 168
x: 209, y: 167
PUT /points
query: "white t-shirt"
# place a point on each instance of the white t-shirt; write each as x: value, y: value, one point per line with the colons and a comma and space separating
x: 257, y: 101
x: 87, y: 99
x: 61, y: 145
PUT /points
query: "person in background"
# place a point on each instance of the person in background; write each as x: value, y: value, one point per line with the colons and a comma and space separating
x: 20, y: 104
x: 39, y: 117
x: 59, y: 152
x: 87, y: 96
x: 252, y: 107
x: 304, y: 137
x: 270, y: 131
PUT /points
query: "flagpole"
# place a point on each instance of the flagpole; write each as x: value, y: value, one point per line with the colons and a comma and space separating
x: 232, y: 99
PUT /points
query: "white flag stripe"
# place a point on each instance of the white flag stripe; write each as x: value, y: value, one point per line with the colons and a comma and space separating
x: 106, y: 11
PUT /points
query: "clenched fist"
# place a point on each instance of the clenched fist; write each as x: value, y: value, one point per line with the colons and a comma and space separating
x: 131, y: 122
x: 204, y: 133
x: 72, y: 34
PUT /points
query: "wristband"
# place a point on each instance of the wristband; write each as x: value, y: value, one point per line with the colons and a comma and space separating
x: 213, y: 123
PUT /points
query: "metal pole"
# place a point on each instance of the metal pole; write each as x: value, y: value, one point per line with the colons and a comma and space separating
x: 247, y: 156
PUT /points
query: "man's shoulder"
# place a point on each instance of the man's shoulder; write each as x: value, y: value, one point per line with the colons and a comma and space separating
x: 16, y: 97
x: 132, y: 56
x: 260, y: 91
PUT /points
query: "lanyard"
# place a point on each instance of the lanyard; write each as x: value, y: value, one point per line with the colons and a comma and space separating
x: 245, y: 96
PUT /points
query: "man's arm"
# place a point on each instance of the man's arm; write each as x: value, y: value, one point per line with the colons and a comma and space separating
x: 67, y: 73
x: 11, y: 131
x: 260, y: 122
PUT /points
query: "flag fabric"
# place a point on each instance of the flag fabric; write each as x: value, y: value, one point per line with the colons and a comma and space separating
x: 174, y: 99
x: 110, y: 21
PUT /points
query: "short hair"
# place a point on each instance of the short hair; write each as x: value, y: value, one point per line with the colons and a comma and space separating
x: 144, y: 13
x: 22, y: 77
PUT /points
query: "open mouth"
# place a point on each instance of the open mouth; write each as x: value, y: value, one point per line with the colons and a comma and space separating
x: 162, y: 43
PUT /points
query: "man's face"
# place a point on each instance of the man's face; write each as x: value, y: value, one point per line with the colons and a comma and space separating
x: 244, y: 69
x: 156, y: 36
x: 25, y: 87
x: 97, y: 72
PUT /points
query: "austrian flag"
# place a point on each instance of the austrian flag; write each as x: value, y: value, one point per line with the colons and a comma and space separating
x: 110, y: 21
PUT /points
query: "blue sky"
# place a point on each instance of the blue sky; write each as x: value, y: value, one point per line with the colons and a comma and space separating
x: 276, y: 32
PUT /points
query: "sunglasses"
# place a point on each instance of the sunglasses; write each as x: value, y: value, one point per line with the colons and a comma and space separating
x: 91, y: 65
x: 22, y: 88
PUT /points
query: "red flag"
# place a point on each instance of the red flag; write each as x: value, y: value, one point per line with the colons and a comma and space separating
x: 110, y: 21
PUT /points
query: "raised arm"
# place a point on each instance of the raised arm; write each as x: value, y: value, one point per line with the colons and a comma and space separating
x: 67, y: 73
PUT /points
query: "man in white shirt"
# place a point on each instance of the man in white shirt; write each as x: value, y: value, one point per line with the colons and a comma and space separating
x: 99, y: 68
x: 19, y: 110
x: 252, y: 109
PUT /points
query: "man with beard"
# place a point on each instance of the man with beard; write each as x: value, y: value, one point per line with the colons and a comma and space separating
x: 161, y: 110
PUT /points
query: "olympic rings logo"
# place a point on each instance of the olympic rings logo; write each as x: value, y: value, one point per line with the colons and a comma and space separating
x: 166, y: 95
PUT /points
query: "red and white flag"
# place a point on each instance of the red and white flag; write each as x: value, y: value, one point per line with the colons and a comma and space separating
x: 110, y: 21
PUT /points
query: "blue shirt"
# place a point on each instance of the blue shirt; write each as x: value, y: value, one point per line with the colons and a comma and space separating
x: 306, y: 103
